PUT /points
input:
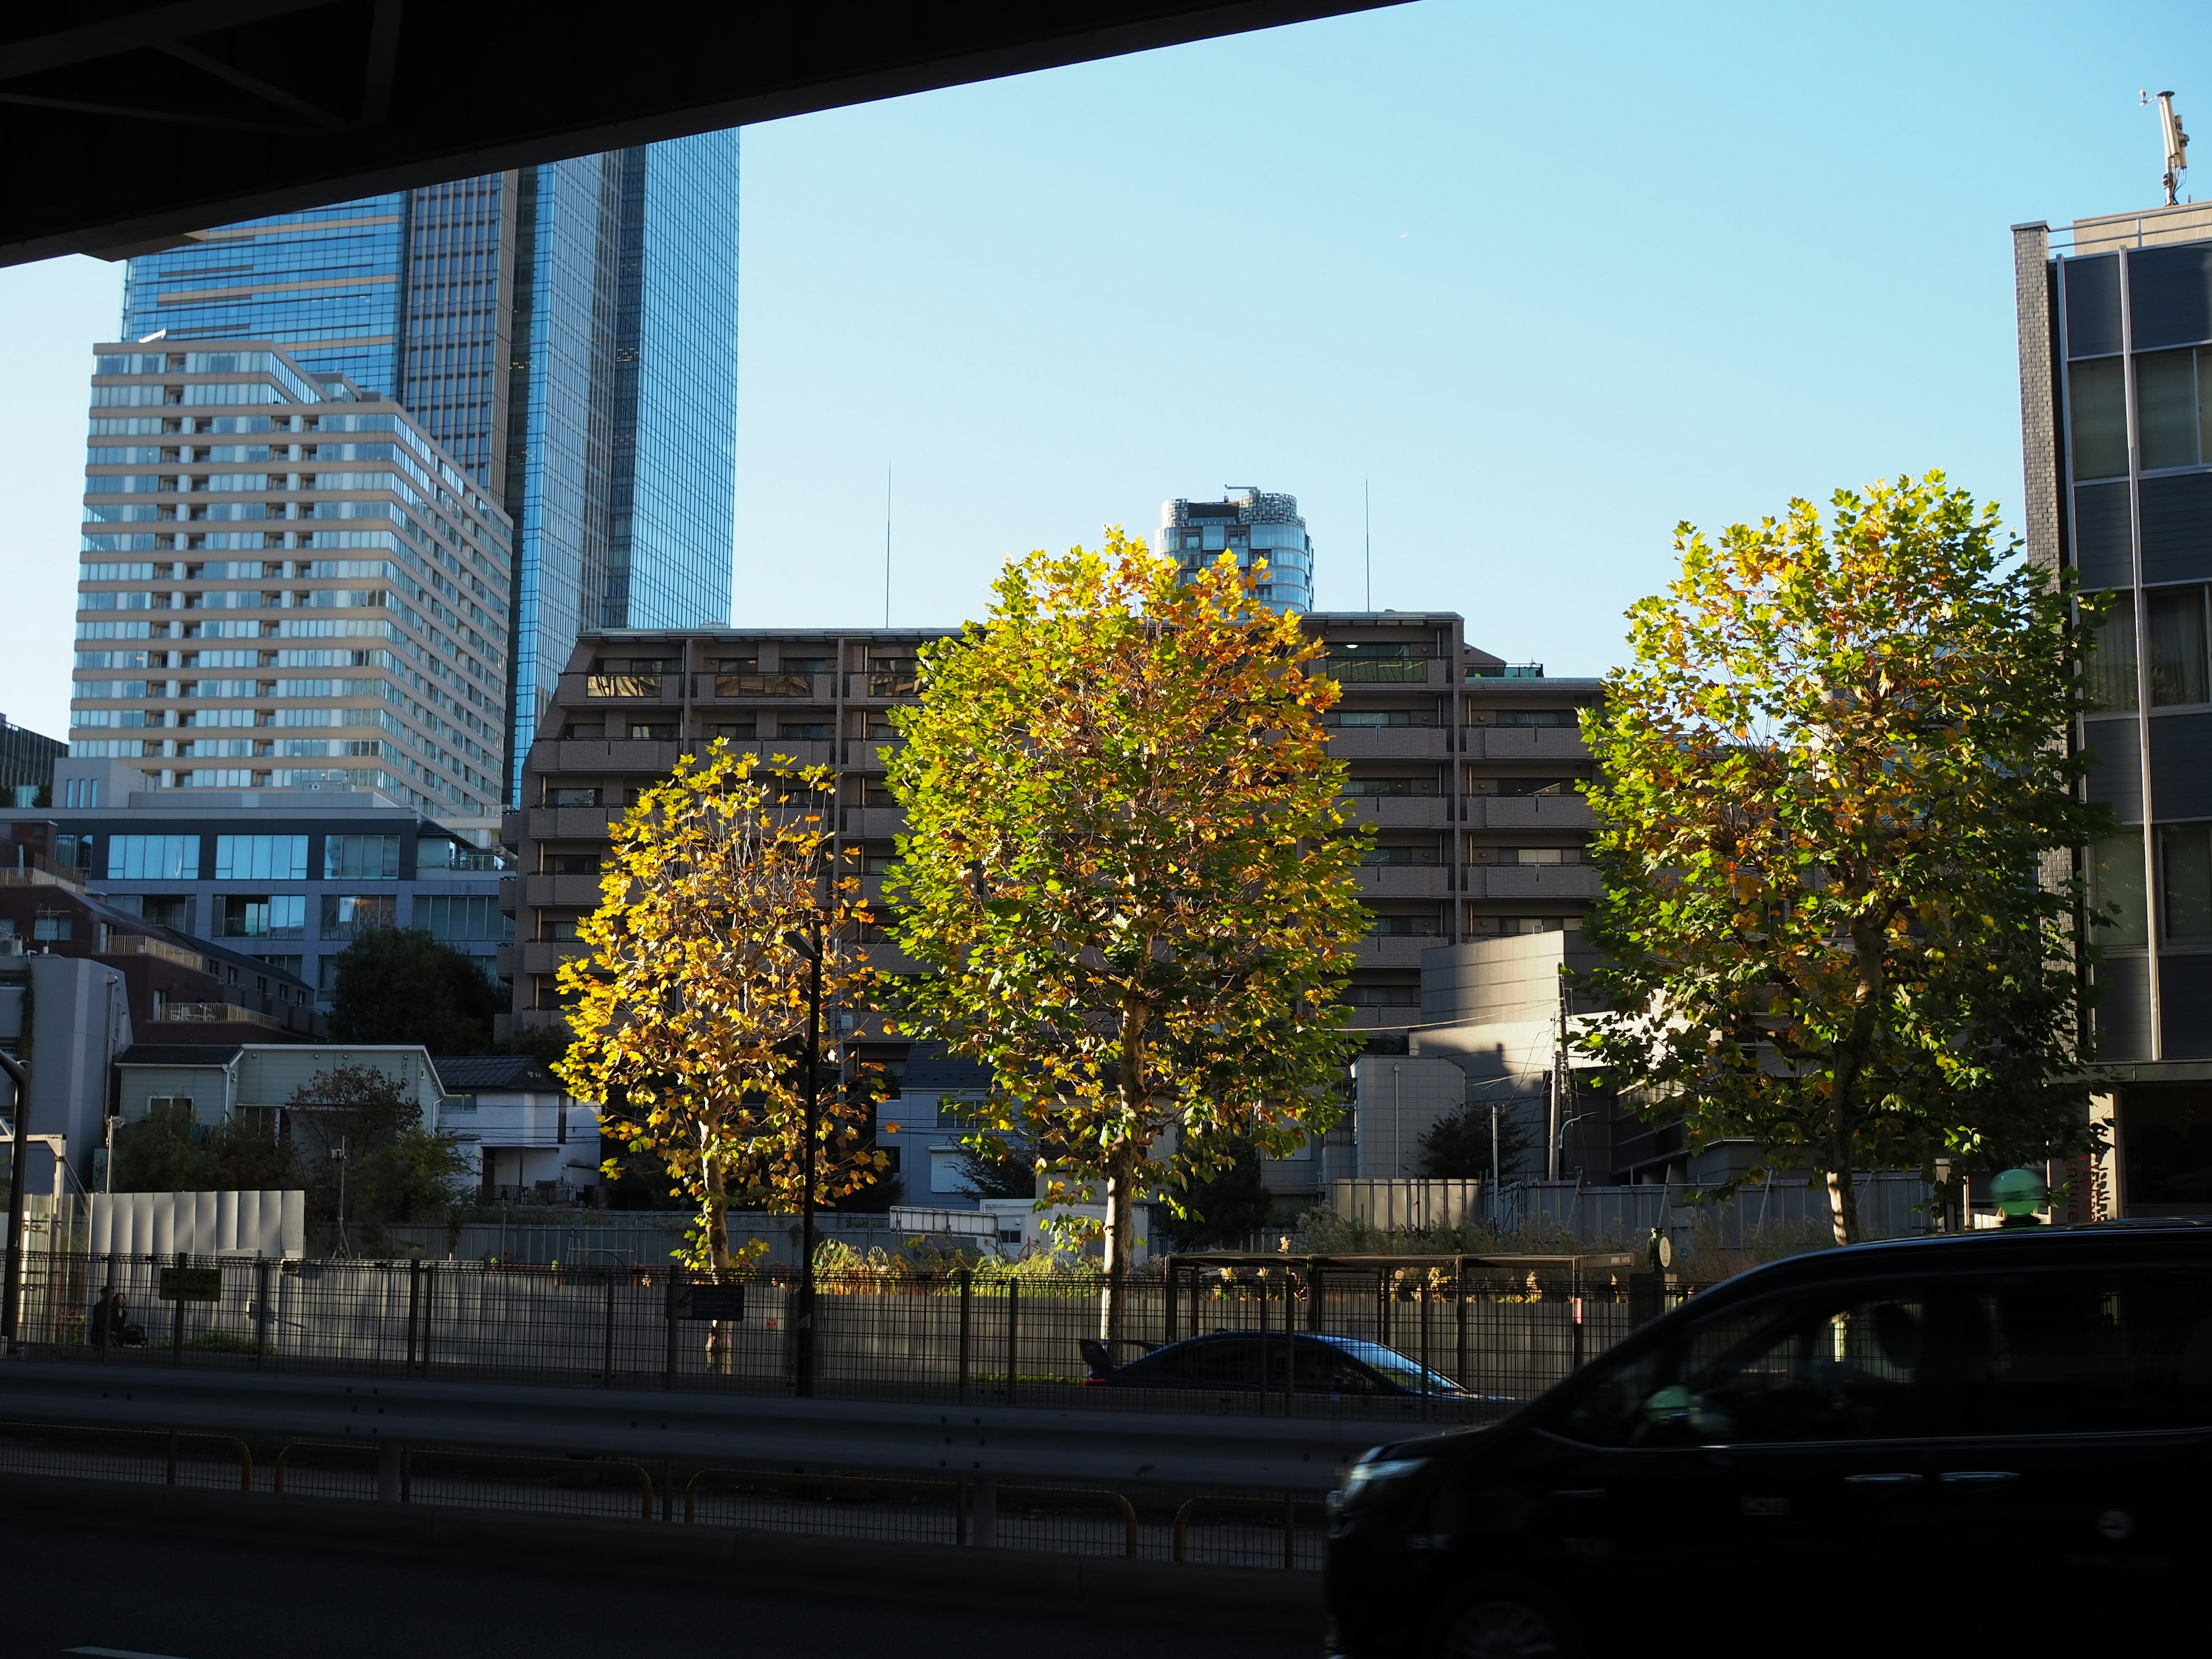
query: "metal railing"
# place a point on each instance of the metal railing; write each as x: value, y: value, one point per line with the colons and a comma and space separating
x: 1497, y: 1331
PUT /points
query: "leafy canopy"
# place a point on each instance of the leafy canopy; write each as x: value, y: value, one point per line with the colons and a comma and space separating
x: 1834, y: 806
x: 1127, y: 872
x: 689, y: 1013
x: 400, y: 985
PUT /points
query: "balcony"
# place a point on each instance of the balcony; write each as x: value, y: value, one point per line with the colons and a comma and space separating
x: 623, y: 685
x: 1380, y: 671
x: 728, y: 686
x: 1400, y: 811
x: 541, y: 956
x: 566, y: 892
x: 1527, y: 812
x: 570, y: 822
x: 214, y: 1014
x: 1404, y: 880
x: 510, y: 893
x: 146, y: 945
x: 872, y: 823
x: 1574, y: 882
x: 1389, y: 743
x: 1396, y: 950
x: 1517, y: 743
x: 872, y: 754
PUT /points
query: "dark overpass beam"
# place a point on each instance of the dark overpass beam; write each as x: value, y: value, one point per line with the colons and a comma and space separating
x: 128, y: 129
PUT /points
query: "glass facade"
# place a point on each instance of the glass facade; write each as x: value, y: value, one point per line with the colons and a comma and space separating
x: 567, y: 333
x: 1258, y: 529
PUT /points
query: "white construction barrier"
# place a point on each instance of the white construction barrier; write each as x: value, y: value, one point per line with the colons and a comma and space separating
x: 271, y: 1224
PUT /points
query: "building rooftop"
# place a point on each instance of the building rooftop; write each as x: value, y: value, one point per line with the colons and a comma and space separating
x: 458, y: 1073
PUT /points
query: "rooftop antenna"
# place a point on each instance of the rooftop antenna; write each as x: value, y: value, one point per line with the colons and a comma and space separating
x: 1367, y: 524
x: 887, y: 543
x: 2177, y: 145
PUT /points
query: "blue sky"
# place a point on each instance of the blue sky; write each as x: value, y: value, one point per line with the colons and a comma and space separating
x: 1550, y: 278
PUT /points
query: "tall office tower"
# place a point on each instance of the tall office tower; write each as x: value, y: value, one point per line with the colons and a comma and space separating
x: 1254, y: 524
x: 566, y: 332
x: 291, y: 566
x: 2116, y: 404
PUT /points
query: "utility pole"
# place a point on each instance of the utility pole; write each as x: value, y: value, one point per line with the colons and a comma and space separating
x: 11, y: 1305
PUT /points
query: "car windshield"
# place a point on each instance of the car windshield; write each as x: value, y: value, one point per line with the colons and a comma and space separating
x: 1393, y: 1365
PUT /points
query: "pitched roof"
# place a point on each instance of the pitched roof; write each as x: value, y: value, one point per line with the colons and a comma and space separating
x: 179, y: 1054
x: 460, y: 1072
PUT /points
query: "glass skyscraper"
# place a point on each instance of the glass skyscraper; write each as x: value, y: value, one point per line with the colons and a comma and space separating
x: 1253, y: 525
x: 566, y: 332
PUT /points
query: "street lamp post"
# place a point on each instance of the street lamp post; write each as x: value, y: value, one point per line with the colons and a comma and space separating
x: 11, y: 1305
x: 803, y: 1368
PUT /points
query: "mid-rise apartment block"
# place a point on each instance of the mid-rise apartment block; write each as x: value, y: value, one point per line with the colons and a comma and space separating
x: 285, y: 581
x: 567, y: 333
x: 1466, y: 766
x: 1254, y: 525
x: 26, y: 764
x: 2116, y: 399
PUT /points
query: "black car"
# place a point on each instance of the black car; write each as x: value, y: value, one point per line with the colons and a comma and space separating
x: 2005, y: 1434
x: 1227, y: 1362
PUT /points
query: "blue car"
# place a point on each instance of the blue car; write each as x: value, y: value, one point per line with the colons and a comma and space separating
x: 1227, y: 1362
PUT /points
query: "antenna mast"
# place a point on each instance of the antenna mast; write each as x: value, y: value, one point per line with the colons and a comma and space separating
x: 2177, y: 146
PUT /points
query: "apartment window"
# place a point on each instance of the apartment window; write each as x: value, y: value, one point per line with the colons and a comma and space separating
x: 878, y: 860
x: 2176, y: 640
x: 1390, y: 786
x: 346, y: 917
x: 2169, y: 401
x: 280, y: 915
x: 47, y: 925
x: 1358, y: 718
x: 2116, y: 887
x: 1478, y: 854
x: 622, y: 685
x: 1550, y: 785
x: 746, y: 730
x: 875, y: 792
x: 153, y: 858
x: 2110, y: 670
x: 652, y: 731
x: 2098, y: 413
x: 555, y: 930
x: 451, y: 916
x: 260, y: 857
x: 1377, y: 857
x: 1541, y: 718
x: 804, y: 731
x: 571, y: 797
x: 361, y: 858
x: 810, y: 665
x: 571, y: 864
x: 1426, y: 926
x: 2185, y: 859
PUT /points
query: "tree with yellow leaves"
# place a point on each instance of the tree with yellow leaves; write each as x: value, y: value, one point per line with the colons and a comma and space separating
x: 1128, y: 873
x: 727, y: 924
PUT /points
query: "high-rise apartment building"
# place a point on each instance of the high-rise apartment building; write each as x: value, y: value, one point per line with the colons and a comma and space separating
x: 286, y: 582
x: 566, y: 332
x: 2116, y: 401
x: 1254, y: 525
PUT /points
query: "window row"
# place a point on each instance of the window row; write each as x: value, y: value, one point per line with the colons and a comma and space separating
x: 2182, y: 855
x: 2171, y: 427
x: 243, y: 857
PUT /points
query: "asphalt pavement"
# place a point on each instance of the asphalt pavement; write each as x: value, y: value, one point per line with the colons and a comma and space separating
x: 123, y: 1595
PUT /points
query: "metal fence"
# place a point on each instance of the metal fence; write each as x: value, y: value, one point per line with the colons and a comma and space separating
x: 1502, y: 1328
x: 1243, y: 1529
x: 1891, y: 1205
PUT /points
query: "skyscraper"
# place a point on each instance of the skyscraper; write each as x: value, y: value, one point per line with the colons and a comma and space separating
x: 1253, y: 525
x: 285, y: 582
x: 567, y: 333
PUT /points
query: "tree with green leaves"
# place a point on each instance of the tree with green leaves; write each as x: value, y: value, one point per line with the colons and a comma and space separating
x: 401, y: 985
x: 1128, y: 874
x: 1835, y: 807
x: 690, y: 1011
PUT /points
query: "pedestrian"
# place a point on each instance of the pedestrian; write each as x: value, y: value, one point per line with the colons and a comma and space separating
x: 107, y: 1318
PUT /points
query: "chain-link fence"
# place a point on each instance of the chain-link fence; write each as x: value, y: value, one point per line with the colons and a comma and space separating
x: 1451, y: 1339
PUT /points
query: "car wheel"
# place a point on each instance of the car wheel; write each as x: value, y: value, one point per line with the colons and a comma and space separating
x: 1502, y: 1630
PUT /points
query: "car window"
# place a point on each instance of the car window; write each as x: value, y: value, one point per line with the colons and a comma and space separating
x: 2055, y: 1352
x: 1215, y: 1361
x: 1842, y: 1366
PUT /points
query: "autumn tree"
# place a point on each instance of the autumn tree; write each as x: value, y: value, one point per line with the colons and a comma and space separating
x: 1833, y: 780
x: 1128, y: 873
x: 691, y: 1010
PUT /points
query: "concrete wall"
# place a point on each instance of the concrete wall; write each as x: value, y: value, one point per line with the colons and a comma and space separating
x: 80, y: 1020
x: 1398, y: 1100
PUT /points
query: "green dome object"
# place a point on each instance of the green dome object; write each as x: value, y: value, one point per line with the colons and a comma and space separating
x: 2019, y: 1191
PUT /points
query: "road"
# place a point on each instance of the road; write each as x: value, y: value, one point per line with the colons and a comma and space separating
x: 94, y: 1591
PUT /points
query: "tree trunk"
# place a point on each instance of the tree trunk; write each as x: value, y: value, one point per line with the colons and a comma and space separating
x: 1843, y: 1207
x: 720, y: 1336
x: 1121, y: 1178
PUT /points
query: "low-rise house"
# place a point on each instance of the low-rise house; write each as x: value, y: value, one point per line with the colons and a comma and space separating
x: 525, y: 1137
